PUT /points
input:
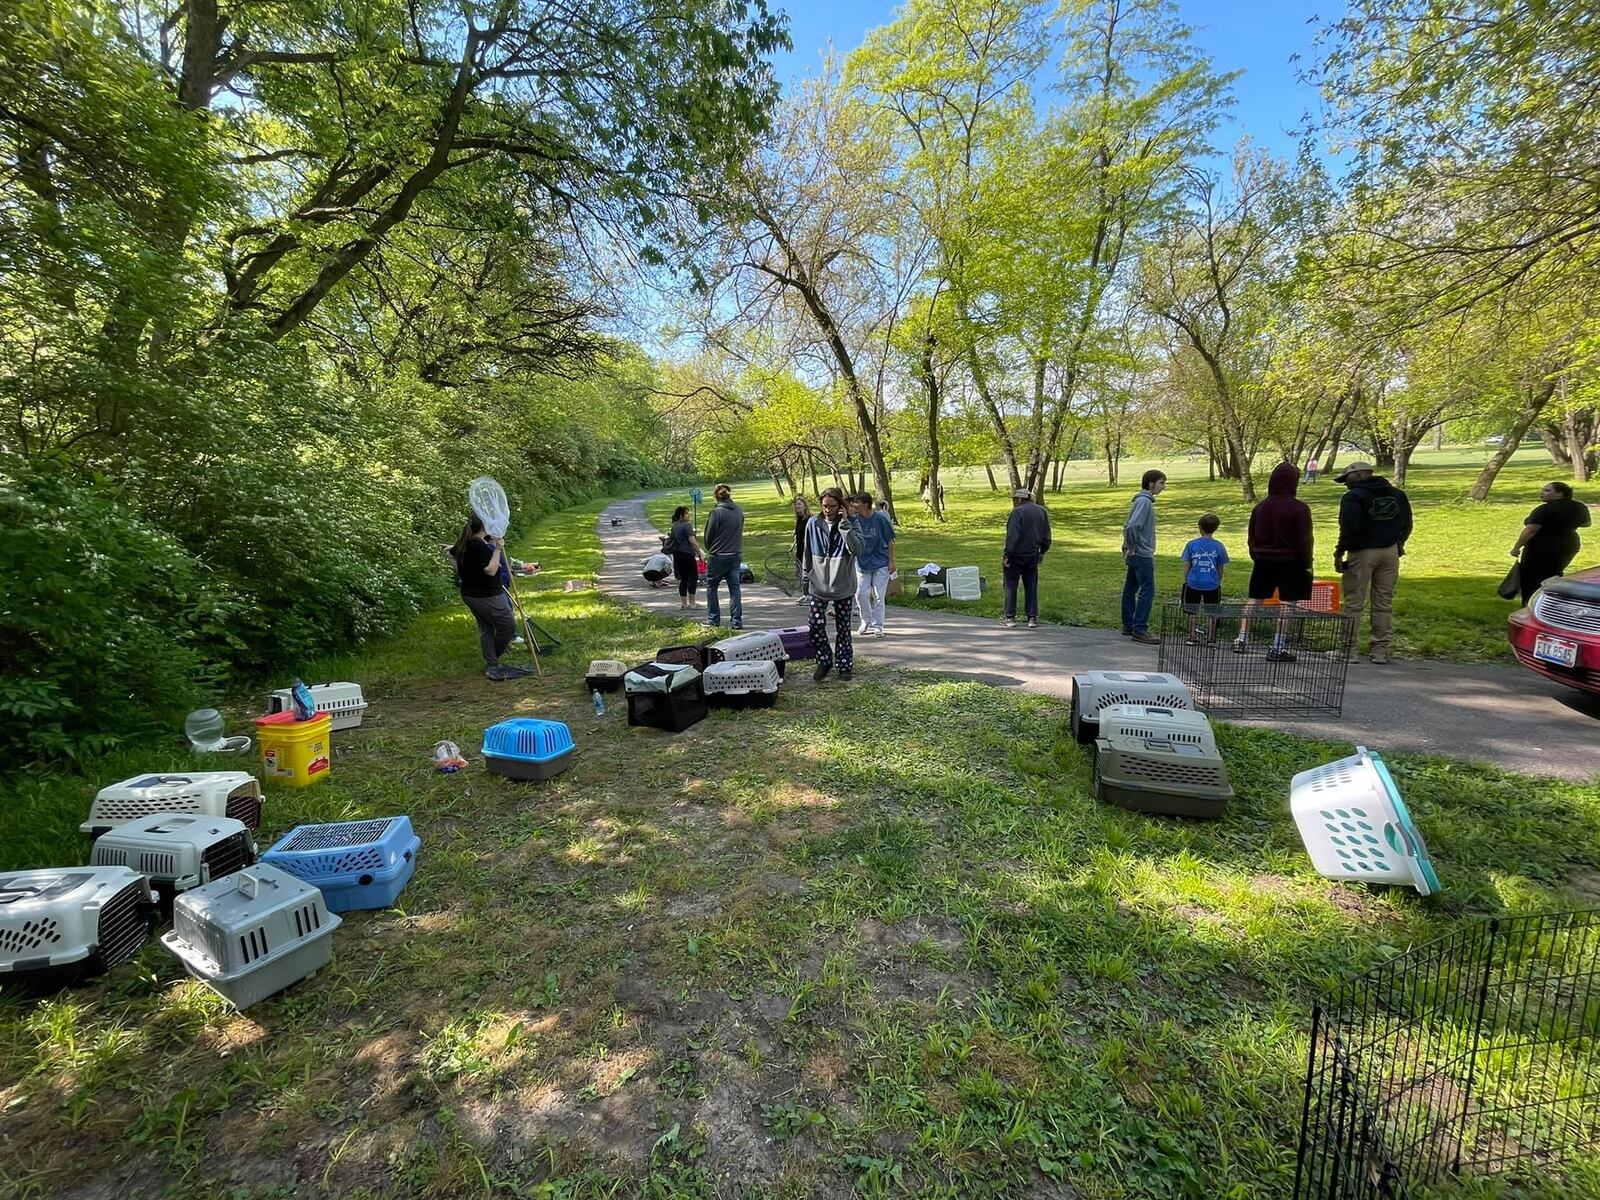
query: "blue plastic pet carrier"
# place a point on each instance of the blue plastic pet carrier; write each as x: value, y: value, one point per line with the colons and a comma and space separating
x: 527, y: 748
x: 355, y: 864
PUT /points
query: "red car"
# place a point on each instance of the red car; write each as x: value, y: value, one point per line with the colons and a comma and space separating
x: 1558, y: 634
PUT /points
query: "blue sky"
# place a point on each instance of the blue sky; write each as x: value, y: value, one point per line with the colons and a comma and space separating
x: 1255, y: 37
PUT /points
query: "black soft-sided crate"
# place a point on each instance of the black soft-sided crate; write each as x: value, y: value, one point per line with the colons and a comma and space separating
x: 662, y: 697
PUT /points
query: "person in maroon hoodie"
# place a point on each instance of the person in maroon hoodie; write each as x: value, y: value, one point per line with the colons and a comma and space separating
x: 1281, y: 549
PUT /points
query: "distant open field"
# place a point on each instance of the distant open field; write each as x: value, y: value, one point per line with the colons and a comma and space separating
x: 1446, y: 605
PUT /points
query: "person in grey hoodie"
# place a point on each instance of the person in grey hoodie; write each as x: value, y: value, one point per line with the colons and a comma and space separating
x: 724, y: 542
x: 1139, y: 549
x: 833, y: 542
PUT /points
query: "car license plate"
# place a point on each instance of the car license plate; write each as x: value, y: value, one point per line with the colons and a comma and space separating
x: 1555, y: 650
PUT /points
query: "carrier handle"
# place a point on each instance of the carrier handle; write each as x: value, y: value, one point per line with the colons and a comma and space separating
x: 249, y: 884
x: 1402, y: 841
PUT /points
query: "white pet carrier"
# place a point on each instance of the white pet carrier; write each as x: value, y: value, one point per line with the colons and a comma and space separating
x: 762, y: 646
x: 753, y: 684
x: 176, y: 851
x: 252, y: 934
x: 963, y: 583
x: 233, y: 794
x: 1150, y: 721
x: 64, y: 924
x: 1093, y: 691
x: 1356, y: 826
x: 343, y: 700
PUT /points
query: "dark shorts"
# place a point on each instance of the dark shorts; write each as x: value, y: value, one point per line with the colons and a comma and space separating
x: 1196, y: 596
x: 1291, y: 582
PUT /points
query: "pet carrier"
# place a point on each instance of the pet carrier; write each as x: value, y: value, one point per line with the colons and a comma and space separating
x: 233, y: 794
x: 1356, y: 826
x: 1154, y: 721
x: 1271, y: 660
x: 64, y: 924
x: 177, y: 851
x: 605, y: 675
x: 962, y: 583
x: 665, y: 696
x: 342, y: 701
x: 763, y: 646
x: 527, y: 748
x: 741, y: 684
x: 1093, y: 691
x: 252, y: 934
x: 1159, y: 776
x: 298, y: 753
x: 797, y: 641
x: 355, y: 864
x: 930, y: 591
x: 696, y: 656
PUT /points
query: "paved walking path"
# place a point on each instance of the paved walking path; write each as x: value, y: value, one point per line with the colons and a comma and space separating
x: 1501, y: 715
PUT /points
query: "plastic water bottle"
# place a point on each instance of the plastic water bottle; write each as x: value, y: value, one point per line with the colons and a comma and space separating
x: 204, y: 730
x: 599, y: 703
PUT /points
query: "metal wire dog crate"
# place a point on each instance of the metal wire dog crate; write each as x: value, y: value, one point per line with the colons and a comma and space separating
x: 1243, y: 659
x: 1472, y: 1055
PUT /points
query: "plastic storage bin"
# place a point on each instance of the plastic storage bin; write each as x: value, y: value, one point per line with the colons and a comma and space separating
x: 1154, y: 721
x: 797, y: 641
x: 962, y: 583
x: 605, y: 675
x: 354, y: 864
x: 741, y: 684
x: 177, y: 852
x: 64, y: 924
x: 760, y: 646
x: 233, y: 794
x: 1162, y: 777
x: 527, y: 748
x: 665, y: 696
x: 1355, y: 825
x: 252, y: 934
x: 1096, y: 690
x: 298, y: 753
x: 341, y: 701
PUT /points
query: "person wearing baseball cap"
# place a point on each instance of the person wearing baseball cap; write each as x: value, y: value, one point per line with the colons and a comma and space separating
x: 1027, y: 539
x: 1374, y: 524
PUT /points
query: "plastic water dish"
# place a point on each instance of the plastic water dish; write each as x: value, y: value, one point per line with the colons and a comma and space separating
x: 1355, y: 826
x: 355, y: 864
x: 527, y: 748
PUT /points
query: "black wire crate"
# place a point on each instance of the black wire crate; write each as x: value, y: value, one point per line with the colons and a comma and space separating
x: 1244, y: 659
x: 1471, y: 1056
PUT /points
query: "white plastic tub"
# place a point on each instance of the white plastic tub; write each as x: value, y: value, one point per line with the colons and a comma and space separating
x: 1355, y: 826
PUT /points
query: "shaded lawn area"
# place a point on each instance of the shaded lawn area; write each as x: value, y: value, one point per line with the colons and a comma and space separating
x: 876, y: 941
x: 1445, y: 606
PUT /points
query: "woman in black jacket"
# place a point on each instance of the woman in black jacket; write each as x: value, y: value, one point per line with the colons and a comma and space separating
x: 686, y: 556
x: 1549, y: 538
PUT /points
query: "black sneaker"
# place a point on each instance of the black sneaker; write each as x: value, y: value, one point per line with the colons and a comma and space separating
x: 1127, y: 633
x: 1277, y: 655
x: 821, y: 672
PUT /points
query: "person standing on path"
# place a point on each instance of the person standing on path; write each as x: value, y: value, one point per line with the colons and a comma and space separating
x: 686, y: 556
x: 1139, y: 550
x: 833, y: 542
x: 1281, y: 546
x: 1027, y: 540
x: 1374, y: 524
x: 1549, y: 538
x: 725, y: 549
x: 875, y: 566
x: 479, y: 558
x: 802, y: 518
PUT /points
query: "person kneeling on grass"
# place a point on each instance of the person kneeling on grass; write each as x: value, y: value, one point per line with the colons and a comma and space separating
x: 657, y: 568
x: 833, y: 543
x: 1203, y: 561
x: 479, y: 559
x: 1281, y: 549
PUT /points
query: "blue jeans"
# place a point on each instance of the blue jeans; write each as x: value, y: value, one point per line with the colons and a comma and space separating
x: 1138, y: 594
x: 1023, y: 569
x: 721, y: 567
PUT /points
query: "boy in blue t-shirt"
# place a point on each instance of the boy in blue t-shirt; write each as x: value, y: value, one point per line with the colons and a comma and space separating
x: 1203, y: 560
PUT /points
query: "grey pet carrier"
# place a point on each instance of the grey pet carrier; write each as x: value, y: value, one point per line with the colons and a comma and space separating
x: 1162, y: 777
x: 177, y: 851
x: 252, y: 934
x: 64, y: 924
x: 1095, y: 690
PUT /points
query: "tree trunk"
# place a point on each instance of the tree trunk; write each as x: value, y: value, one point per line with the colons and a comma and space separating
x: 1556, y: 443
x: 1580, y: 428
x: 1533, y: 403
x: 1438, y: 436
x: 1008, y: 450
x: 777, y: 479
x: 989, y: 471
x: 930, y: 382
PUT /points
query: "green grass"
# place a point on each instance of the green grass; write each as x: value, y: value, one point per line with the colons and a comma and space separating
x: 876, y: 941
x: 1445, y: 606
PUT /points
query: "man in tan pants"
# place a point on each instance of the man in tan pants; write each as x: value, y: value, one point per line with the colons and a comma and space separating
x: 1374, y: 523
